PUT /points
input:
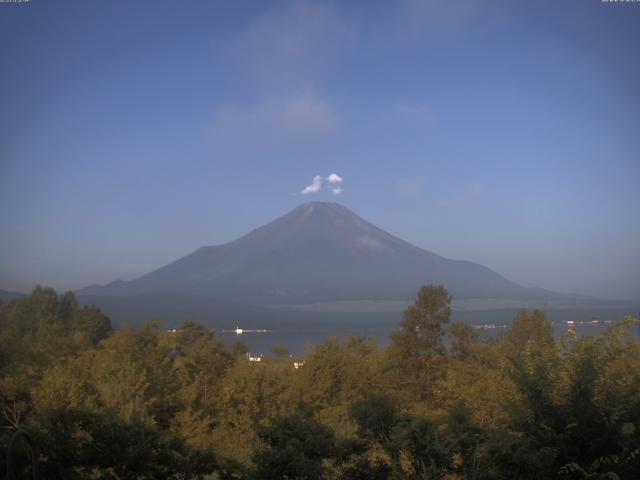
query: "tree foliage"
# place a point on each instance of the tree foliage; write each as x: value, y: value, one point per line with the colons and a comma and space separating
x: 441, y: 401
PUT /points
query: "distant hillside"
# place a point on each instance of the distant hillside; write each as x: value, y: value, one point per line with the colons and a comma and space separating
x: 354, y: 316
x: 318, y: 252
x: 7, y: 295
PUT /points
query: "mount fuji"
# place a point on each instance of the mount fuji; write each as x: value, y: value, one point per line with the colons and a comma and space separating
x: 318, y: 252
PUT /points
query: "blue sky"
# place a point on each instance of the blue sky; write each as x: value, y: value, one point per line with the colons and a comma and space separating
x: 505, y: 133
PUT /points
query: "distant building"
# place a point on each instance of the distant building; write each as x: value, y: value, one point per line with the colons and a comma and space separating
x: 253, y: 359
x: 297, y: 365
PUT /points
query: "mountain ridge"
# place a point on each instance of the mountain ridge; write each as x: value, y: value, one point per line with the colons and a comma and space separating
x: 318, y: 251
x: 8, y: 295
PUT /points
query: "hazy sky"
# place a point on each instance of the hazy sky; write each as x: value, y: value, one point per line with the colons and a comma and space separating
x: 502, y: 132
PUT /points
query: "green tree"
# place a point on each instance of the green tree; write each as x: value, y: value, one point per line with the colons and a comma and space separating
x: 466, y: 441
x: 422, y: 329
x: 375, y: 416
x: 280, y: 351
x: 463, y: 340
x: 40, y: 329
x: 419, y: 450
x: 294, y: 448
x: 200, y: 362
x: 417, y: 350
x: 528, y: 327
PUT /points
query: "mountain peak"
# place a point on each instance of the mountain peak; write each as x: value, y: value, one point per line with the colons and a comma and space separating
x: 319, y: 251
x: 318, y: 202
x: 324, y: 224
x: 320, y: 206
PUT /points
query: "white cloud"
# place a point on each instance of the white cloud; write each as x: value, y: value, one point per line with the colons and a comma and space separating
x: 445, y: 17
x: 315, y: 186
x: 292, y: 43
x: 281, y: 120
x: 285, y: 53
x: 334, y: 178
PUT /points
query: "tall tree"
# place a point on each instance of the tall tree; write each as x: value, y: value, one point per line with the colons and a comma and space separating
x: 294, y: 448
x: 422, y: 328
x: 417, y: 349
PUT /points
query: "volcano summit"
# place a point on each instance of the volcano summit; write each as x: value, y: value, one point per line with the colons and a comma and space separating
x: 318, y: 252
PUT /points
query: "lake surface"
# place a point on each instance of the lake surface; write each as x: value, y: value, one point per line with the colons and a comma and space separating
x: 298, y: 336
x: 296, y: 326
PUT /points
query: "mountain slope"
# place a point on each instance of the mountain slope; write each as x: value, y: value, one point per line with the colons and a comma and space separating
x: 317, y: 252
x: 7, y: 295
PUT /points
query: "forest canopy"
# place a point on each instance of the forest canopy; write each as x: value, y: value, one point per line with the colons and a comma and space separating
x: 441, y: 401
